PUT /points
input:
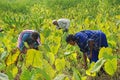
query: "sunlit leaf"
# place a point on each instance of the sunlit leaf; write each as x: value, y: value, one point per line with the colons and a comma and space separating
x: 12, y: 58
x: 48, y: 69
x: 54, y: 49
x: 51, y: 57
x: 3, y: 76
x: 26, y: 75
x: 76, y: 74
x: 46, y: 46
x: 26, y: 45
x: 87, y: 21
x: 88, y: 72
x: 73, y: 56
x: 105, y: 52
x: 40, y: 74
x: 84, y: 78
x: 2, y: 66
x: 42, y: 38
x: 14, y: 71
x: 60, y: 64
x: 66, y: 78
x: 1, y: 50
x: 98, y: 65
x: 111, y: 66
x: 113, y: 43
x: 57, y: 39
x: 33, y: 58
x: 3, y: 55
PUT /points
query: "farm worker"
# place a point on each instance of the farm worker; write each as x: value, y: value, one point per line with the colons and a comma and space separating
x: 31, y: 37
x: 62, y: 23
x: 89, y: 42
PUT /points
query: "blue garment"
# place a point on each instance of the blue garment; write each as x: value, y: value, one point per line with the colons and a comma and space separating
x: 82, y: 38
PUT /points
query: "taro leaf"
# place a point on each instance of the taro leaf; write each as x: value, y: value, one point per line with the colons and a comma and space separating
x: 98, y: 65
x: 111, y: 66
x: 60, y: 64
x: 40, y: 73
x: 106, y: 53
x: 12, y: 58
x: 3, y: 76
x: 88, y: 71
x: 76, y: 74
x: 60, y: 77
x: 26, y: 75
x: 33, y: 58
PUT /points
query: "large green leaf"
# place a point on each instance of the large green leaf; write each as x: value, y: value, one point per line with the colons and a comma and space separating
x: 76, y: 74
x: 106, y: 53
x: 40, y: 74
x: 12, y: 58
x: 51, y: 58
x: 54, y: 49
x: 3, y: 76
x: 2, y: 66
x: 48, y: 69
x: 111, y: 66
x: 26, y: 75
x: 60, y: 64
x: 88, y: 72
x: 98, y: 65
x: 34, y: 58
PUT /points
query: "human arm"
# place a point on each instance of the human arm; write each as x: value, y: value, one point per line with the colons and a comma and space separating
x: 85, y: 60
x: 91, y: 46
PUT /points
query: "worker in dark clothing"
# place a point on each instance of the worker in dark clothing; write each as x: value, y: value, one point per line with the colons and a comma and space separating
x: 89, y: 42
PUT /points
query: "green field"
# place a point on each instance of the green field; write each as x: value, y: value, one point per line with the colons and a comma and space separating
x: 55, y: 60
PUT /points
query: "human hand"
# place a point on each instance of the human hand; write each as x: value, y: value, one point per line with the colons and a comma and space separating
x: 24, y: 51
x: 90, y: 56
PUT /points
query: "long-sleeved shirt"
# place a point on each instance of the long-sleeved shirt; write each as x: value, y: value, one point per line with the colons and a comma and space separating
x: 83, y: 37
x: 63, y: 23
x: 25, y: 36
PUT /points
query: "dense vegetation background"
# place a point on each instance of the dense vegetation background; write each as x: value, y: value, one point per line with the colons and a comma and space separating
x: 55, y: 59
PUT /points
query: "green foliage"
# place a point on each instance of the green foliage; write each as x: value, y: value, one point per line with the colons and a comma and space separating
x: 76, y: 74
x: 60, y: 64
x: 12, y: 58
x: 33, y: 58
x: 111, y: 66
x: 88, y: 71
x: 26, y: 75
x: 105, y: 53
x: 55, y: 59
x: 107, y: 59
x: 3, y: 76
x: 20, y: 6
x: 98, y: 65
x: 40, y: 74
